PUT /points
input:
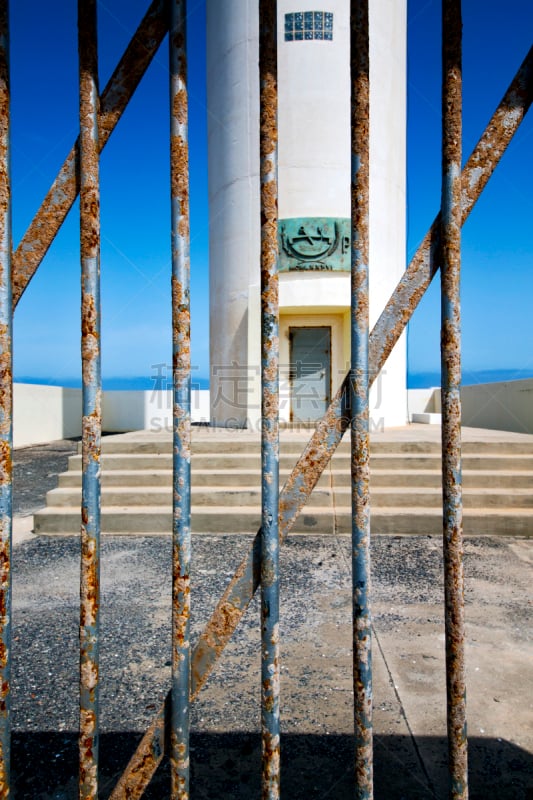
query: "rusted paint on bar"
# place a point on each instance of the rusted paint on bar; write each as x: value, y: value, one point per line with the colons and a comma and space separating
x: 146, y: 759
x: 91, y: 393
x: 6, y: 409
x: 330, y: 430
x: 360, y: 439
x: 63, y: 192
x: 270, y: 665
x: 451, y: 398
x: 181, y: 365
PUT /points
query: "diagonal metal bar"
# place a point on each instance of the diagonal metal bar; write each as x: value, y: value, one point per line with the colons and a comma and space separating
x: 63, y: 192
x: 320, y: 448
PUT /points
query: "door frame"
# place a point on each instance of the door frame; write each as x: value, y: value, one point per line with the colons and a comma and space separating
x: 330, y: 360
x: 291, y: 318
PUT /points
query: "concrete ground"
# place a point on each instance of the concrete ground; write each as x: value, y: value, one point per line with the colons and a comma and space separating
x: 409, y: 699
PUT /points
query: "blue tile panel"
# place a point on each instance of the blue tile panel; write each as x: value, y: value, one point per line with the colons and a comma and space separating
x: 305, y: 25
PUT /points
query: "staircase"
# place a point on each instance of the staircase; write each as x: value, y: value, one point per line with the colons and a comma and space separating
x: 226, y: 485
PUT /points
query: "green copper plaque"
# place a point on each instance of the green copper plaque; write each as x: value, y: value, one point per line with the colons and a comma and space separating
x: 316, y: 244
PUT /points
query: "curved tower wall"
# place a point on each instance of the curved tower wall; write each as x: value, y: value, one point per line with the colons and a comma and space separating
x: 314, y: 201
x: 233, y: 165
x: 314, y: 117
x: 388, y: 126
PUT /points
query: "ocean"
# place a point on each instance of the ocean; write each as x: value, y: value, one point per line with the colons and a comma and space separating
x: 135, y: 383
x: 422, y: 380
x: 415, y: 380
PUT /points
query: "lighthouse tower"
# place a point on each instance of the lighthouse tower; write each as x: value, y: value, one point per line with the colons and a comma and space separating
x: 314, y: 204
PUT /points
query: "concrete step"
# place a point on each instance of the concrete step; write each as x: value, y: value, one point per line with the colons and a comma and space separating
x: 237, y: 443
x: 379, y: 477
x: 226, y: 479
x: 501, y: 521
x: 224, y: 496
x: 416, y: 497
x: 502, y: 479
x: 163, y: 477
x: 149, y: 520
x: 251, y: 461
x: 214, y: 519
x: 408, y: 461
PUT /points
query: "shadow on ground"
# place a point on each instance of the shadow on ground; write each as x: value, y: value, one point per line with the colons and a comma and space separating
x: 316, y: 609
x: 228, y: 766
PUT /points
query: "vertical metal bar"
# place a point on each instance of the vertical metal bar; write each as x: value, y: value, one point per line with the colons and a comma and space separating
x: 451, y: 400
x: 91, y: 393
x: 270, y: 667
x: 181, y: 498
x: 359, y: 386
x: 6, y: 409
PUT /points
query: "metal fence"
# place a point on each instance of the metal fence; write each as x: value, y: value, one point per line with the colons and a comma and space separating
x: 191, y: 665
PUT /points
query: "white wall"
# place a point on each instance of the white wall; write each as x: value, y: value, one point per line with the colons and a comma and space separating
x: 422, y: 401
x: 314, y: 117
x: 506, y: 406
x: 46, y: 413
x: 148, y: 410
x: 308, y: 289
x: 233, y: 176
x: 388, y: 125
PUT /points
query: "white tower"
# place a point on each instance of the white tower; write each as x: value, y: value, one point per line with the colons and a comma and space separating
x: 314, y: 203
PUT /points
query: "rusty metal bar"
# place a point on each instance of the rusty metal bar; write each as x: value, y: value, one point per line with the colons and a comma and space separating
x: 181, y: 368
x: 452, y: 503
x: 270, y: 666
x: 330, y: 430
x: 91, y: 394
x: 6, y: 409
x: 63, y: 192
x: 360, y: 439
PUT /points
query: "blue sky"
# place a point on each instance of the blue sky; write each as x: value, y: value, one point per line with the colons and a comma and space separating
x: 497, y: 240
x: 497, y: 252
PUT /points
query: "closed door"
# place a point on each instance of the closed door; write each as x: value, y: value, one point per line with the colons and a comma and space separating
x: 310, y: 372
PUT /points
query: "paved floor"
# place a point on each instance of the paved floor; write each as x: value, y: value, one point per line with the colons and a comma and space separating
x: 409, y: 701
